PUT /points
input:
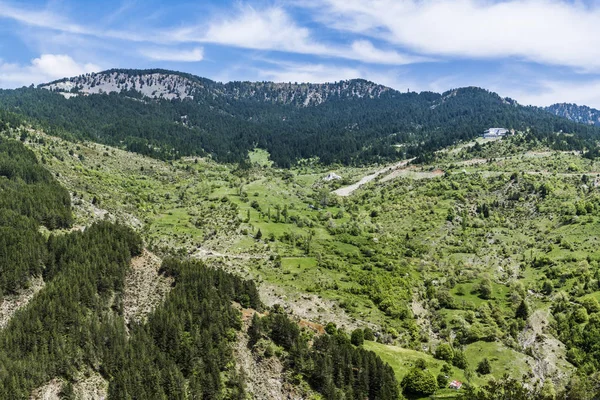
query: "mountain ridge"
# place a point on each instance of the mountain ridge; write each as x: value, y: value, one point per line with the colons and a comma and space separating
x: 169, y: 85
x: 158, y: 83
x: 167, y: 115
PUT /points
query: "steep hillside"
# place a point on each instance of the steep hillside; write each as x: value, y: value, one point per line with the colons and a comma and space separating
x: 168, y: 114
x: 582, y: 114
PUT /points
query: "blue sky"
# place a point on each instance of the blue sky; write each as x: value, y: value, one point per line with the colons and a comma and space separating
x: 536, y: 51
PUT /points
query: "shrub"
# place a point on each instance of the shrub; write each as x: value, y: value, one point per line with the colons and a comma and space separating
x: 522, y: 311
x: 485, y: 289
x: 444, y: 352
x: 590, y: 304
x: 368, y: 334
x: 330, y: 328
x: 580, y: 315
x: 484, y: 367
x: 460, y: 360
x: 419, y: 382
x: 442, y: 381
x: 358, y: 337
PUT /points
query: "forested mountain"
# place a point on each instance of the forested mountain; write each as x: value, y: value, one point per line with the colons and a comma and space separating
x: 582, y: 114
x: 166, y: 115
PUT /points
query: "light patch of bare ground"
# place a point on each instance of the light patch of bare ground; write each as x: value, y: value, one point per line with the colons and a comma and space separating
x: 86, y: 211
x: 468, y: 145
x: 348, y: 190
x: 12, y: 303
x: 50, y: 391
x: 91, y: 387
x: 412, y: 173
x: 203, y: 254
x: 548, y: 352
x: 145, y: 288
x: 423, y: 319
x: 309, y: 307
x: 473, y: 161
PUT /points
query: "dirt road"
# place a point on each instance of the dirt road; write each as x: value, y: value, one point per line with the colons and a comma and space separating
x: 348, y: 190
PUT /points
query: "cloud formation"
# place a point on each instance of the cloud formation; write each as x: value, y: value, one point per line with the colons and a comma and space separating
x: 544, y: 31
x: 168, y: 54
x: 45, y: 68
x: 41, y: 19
x: 314, y: 73
x: 275, y: 30
x: 557, y: 32
x: 560, y: 91
x: 271, y: 29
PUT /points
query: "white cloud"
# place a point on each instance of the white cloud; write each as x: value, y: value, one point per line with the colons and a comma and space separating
x: 45, y: 68
x: 168, y: 54
x: 546, y: 31
x: 273, y: 29
x: 46, y: 19
x: 40, y: 19
x: 365, y: 51
x: 270, y: 29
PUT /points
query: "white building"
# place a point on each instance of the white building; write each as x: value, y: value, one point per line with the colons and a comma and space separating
x: 493, y: 133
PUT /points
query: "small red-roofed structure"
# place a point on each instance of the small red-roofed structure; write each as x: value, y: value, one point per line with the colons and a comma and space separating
x: 455, y: 385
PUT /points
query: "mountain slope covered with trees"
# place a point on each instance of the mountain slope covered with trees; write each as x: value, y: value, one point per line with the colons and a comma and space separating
x: 168, y: 114
x: 29, y: 197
